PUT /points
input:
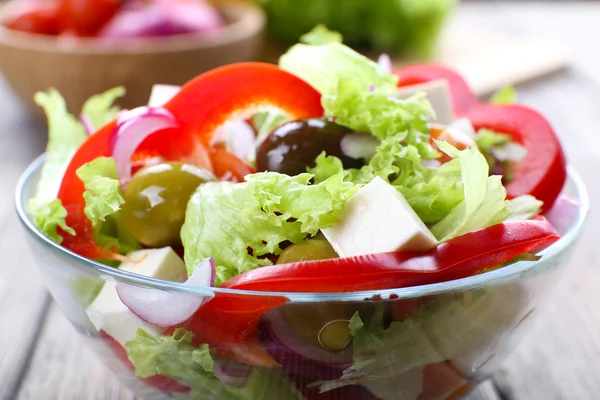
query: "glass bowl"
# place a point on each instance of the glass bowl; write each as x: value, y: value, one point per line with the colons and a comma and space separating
x: 418, y: 343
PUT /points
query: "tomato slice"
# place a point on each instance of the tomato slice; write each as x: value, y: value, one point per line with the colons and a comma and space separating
x: 461, y: 257
x: 39, y: 18
x: 462, y: 95
x: 87, y: 17
x: 230, y: 92
x: 543, y: 172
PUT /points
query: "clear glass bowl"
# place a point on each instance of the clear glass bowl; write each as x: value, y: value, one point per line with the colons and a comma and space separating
x: 420, y: 343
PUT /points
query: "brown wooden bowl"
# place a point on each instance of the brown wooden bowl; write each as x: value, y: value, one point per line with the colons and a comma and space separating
x: 80, y: 68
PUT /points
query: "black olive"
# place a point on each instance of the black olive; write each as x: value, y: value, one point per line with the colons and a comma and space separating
x: 294, y: 146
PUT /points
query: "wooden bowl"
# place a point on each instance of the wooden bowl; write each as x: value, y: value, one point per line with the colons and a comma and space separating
x: 80, y: 68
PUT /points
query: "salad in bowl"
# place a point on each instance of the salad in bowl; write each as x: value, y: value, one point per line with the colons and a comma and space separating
x: 322, y: 229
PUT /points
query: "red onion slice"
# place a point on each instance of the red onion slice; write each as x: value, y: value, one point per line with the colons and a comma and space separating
x: 133, y: 127
x: 87, y: 124
x: 167, y: 309
x: 563, y: 213
x: 232, y: 374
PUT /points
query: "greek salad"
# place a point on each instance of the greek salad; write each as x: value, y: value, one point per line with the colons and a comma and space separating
x: 329, y: 173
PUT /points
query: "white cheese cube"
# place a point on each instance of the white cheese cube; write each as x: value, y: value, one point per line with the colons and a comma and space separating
x: 108, y: 313
x: 162, y: 264
x: 378, y: 219
x: 162, y: 94
x: 438, y: 94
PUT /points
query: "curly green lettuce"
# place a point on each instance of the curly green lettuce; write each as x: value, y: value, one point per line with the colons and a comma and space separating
x: 65, y: 136
x: 256, y: 216
x: 177, y: 358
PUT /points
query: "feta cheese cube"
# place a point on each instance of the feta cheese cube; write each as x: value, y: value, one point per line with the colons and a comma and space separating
x: 438, y: 94
x: 378, y: 219
x: 108, y: 313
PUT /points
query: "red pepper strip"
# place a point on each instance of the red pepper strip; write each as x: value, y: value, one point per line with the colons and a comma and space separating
x: 230, y: 319
x: 462, y: 95
x: 235, y: 92
x: 159, y: 382
x: 71, y: 195
x: 461, y: 257
x: 542, y: 173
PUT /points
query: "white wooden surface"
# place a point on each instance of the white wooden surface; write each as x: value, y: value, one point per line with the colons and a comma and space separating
x: 42, y: 358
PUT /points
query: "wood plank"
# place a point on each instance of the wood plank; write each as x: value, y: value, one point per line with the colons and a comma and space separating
x: 23, y: 298
x: 560, y: 356
x: 63, y: 367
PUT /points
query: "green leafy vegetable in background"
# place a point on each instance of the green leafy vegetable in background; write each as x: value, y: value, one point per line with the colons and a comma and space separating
x: 407, y: 27
x: 259, y: 214
x: 175, y: 357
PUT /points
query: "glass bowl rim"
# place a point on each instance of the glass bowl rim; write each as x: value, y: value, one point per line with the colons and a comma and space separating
x: 495, y: 277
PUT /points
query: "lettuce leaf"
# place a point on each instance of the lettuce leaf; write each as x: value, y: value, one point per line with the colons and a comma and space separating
x: 325, y: 66
x: 506, y: 95
x: 65, y: 135
x: 321, y: 35
x: 102, y: 189
x: 457, y: 327
x: 525, y: 207
x: 254, y: 217
x: 100, y: 109
x: 50, y: 216
x: 103, y: 201
x: 177, y: 358
x: 484, y: 201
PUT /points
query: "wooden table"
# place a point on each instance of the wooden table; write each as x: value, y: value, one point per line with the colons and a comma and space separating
x: 42, y: 358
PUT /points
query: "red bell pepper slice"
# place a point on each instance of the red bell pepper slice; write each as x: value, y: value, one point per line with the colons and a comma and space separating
x: 543, y: 172
x: 462, y: 95
x: 236, y: 92
x: 461, y: 257
x: 230, y: 92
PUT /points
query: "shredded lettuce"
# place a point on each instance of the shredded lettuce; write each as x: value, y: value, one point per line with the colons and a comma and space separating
x: 50, y: 216
x: 100, y: 109
x: 506, y: 95
x: 453, y: 327
x: 254, y: 217
x: 525, y: 207
x: 103, y: 201
x: 65, y: 135
x: 321, y: 35
x: 484, y: 201
x: 102, y: 189
x: 325, y: 66
x: 177, y: 358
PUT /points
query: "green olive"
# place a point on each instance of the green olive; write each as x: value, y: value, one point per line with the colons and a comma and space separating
x: 324, y: 324
x: 307, y: 250
x: 294, y: 146
x: 156, y: 200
